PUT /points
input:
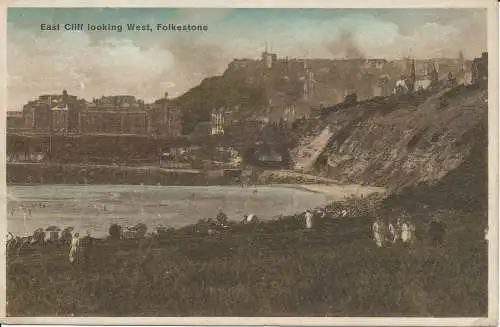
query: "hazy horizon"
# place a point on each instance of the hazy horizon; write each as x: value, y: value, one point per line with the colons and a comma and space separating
x: 148, y: 64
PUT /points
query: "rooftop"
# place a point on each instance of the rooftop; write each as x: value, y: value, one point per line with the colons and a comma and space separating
x: 60, y: 108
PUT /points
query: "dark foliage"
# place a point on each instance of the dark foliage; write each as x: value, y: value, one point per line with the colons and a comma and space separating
x: 115, y: 232
x: 214, y: 93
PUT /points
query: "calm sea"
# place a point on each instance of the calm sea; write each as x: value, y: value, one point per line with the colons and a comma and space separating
x: 96, y: 207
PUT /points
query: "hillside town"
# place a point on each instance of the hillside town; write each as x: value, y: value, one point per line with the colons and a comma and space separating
x: 259, y: 114
x: 294, y: 89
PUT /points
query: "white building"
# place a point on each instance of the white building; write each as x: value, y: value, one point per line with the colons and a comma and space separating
x: 59, y: 118
x: 217, y: 124
x: 421, y: 85
x: 220, y: 119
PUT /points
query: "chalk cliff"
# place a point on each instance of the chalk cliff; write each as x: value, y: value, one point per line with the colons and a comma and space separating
x: 433, y: 141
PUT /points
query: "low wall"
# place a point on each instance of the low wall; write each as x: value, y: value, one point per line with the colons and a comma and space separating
x: 45, y: 173
x: 29, y: 173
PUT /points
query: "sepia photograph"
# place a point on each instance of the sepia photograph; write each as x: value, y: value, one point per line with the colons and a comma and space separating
x: 254, y: 161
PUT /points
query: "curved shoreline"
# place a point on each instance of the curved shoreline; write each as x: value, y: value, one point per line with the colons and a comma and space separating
x: 341, y: 191
x: 30, y: 174
x: 175, y: 206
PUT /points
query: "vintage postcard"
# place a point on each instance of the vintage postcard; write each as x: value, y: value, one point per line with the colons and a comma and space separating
x: 314, y: 163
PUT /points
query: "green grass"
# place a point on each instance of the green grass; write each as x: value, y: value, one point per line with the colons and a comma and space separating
x: 273, y: 269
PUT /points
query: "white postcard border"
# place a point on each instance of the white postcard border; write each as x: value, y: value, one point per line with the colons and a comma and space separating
x: 493, y: 172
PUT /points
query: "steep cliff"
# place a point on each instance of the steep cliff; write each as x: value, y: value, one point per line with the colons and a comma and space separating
x: 420, y: 141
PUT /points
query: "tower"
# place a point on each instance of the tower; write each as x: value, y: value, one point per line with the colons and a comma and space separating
x: 411, y: 84
x: 65, y: 96
x: 461, y: 62
x: 267, y: 58
x: 434, y: 74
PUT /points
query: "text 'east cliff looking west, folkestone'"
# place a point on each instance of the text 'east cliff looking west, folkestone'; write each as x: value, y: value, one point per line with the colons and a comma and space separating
x: 128, y: 27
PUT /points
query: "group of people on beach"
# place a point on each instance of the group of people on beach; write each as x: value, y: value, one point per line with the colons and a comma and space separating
x: 28, y: 209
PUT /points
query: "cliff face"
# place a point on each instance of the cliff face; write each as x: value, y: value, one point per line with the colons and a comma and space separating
x: 414, y: 142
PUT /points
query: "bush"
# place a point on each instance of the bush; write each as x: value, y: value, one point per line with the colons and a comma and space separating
x: 115, y: 231
x: 141, y: 230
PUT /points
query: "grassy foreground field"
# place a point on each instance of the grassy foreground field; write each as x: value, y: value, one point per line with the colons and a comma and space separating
x: 274, y: 269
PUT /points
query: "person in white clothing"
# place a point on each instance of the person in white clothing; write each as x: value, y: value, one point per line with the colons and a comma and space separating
x: 405, y: 233
x: 309, y: 219
x: 377, y: 228
x: 75, y: 245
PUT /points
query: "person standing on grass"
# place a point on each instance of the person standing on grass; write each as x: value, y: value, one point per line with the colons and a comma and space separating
x: 406, y: 233
x: 378, y: 229
x: 437, y: 231
x: 222, y: 219
x: 393, y: 232
x: 75, y: 246
x: 309, y: 219
x: 86, y: 244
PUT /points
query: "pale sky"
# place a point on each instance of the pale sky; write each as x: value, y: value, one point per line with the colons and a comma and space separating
x: 148, y: 64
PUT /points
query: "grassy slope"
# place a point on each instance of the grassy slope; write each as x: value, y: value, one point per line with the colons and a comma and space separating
x: 275, y: 270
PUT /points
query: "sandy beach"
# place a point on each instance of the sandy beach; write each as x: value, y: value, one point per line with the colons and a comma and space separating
x: 340, y: 192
